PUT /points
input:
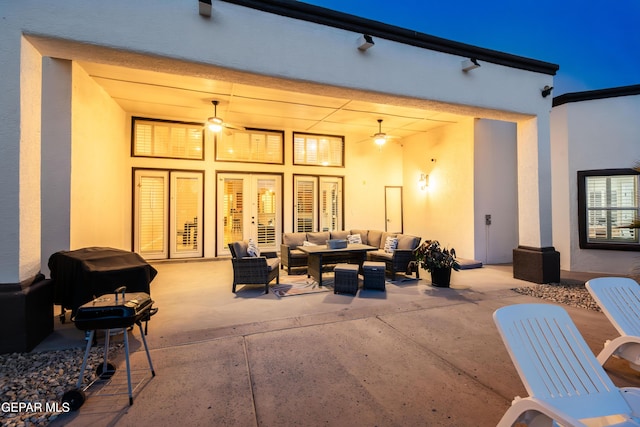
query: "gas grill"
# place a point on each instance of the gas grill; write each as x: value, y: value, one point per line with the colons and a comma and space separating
x: 117, y: 311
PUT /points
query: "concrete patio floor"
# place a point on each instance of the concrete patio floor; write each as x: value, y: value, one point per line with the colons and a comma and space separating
x: 415, y: 355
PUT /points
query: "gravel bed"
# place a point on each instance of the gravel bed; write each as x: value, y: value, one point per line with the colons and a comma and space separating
x: 45, y: 376
x: 40, y: 379
x: 575, y: 295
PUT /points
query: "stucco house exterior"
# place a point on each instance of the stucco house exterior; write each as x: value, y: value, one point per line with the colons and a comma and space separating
x: 594, y: 136
x: 89, y: 88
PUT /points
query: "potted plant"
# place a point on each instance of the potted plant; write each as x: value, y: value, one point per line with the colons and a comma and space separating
x: 438, y: 261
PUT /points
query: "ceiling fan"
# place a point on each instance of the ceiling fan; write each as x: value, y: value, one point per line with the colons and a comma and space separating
x: 380, y: 138
x: 216, y: 124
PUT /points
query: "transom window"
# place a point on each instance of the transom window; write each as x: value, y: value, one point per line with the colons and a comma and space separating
x: 318, y: 150
x: 167, y: 139
x: 251, y: 146
x: 608, y: 202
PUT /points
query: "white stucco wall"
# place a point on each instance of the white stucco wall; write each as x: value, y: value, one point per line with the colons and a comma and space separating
x: 596, y: 134
x: 100, y: 176
x: 56, y: 151
x: 245, y: 46
x: 496, y: 191
x: 444, y: 211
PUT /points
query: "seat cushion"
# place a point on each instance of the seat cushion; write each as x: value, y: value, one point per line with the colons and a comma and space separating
x: 380, y: 254
x: 273, y: 263
x: 297, y: 253
x: 240, y: 249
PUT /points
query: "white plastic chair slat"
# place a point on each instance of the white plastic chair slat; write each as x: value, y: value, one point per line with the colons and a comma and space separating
x: 555, y: 363
x: 619, y: 299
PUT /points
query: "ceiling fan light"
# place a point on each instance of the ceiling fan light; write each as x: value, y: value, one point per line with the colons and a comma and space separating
x: 379, y: 138
x: 214, y: 124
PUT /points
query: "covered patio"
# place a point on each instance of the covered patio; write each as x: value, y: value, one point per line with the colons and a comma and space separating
x: 414, y: 355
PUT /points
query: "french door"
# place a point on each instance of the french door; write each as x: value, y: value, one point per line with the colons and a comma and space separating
x: 317, y: 203
x: 249, y: 206
x: 168, y: 208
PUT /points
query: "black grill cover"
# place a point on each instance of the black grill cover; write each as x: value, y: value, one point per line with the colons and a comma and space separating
x: 81, y: 275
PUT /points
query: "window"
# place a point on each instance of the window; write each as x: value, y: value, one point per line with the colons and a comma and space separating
x: 251, y: 146
x: 318, y: 150
x: 167, y: 139
x: 608, y: 202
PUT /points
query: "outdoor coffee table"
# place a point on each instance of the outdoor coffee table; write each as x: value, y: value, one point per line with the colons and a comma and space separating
x: 321, y: 255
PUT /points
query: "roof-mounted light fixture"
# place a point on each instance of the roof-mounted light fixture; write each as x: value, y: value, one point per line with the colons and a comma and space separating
x: 204, y: 8
x: 470, y: 64
x: 365, y: 41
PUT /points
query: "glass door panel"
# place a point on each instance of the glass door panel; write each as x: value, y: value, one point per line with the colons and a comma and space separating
x: 305, y: 207
x: 249, y: 207
x: 186, y: 219
x: 267, y: 208
x: 232, y: 209
x: 330, y: 204
x: 151, y: 193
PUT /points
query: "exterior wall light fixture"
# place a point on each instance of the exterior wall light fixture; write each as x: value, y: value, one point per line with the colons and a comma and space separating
x: 470, y: 64
x: 423, y: 182
x: 365, y: 41
x: 204, y: 8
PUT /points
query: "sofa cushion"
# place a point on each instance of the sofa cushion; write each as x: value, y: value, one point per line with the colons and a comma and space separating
x: 374, y: 237
x: 293, y: 240
x: 363, y: 235
x: 354, y: 238
x: 383, y: 238
x: 340, y: 235
x: 253, y: 249
x: 380, y: 254
x: 390, y: 244
x: 319, y: 238
x: 240, y: 248
x: 307, y: 243
x: 406, y: 241
x: 297, y: 253
x: 273, y: 263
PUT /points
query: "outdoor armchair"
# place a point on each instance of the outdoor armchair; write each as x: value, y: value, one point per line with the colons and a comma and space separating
x: 250, y: 270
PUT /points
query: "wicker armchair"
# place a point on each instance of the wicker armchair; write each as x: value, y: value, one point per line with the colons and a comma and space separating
x: 402, y: 259
x: 248, y: 270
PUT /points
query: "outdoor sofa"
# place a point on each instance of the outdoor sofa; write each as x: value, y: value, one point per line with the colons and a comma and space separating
x: 397, y: 260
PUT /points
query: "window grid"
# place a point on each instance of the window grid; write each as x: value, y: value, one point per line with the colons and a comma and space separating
x: 167, y: 139
x: 610, y: 203
x: 318, y: 150
x: 251, y: 146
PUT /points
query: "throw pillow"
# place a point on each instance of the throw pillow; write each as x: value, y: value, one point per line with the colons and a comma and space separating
x: 354, y: 238
x: 390, y: 244
x: 308, y: 243
x: 253, y: 249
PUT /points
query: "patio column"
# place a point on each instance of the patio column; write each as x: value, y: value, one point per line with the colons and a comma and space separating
x: 56, y: 152
x: 535, y: 259
x: 26, y: 299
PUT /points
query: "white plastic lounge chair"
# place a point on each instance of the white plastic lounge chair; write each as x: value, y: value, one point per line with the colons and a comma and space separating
x: 619, y: 299
x: 566, y: 384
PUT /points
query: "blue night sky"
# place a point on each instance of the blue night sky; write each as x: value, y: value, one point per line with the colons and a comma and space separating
x: 596, y: 43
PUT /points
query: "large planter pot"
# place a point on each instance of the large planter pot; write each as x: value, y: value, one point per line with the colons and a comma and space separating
x: 441, y: 277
